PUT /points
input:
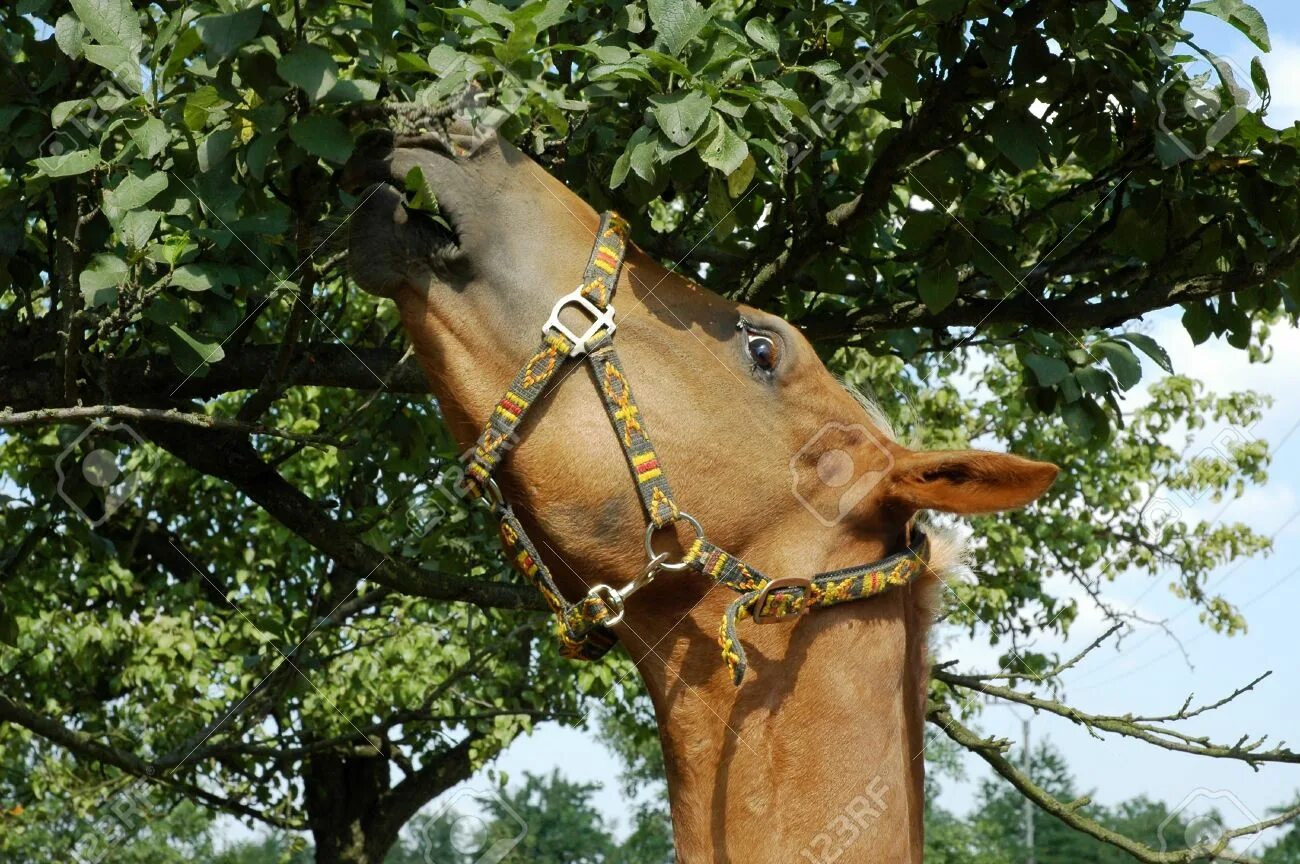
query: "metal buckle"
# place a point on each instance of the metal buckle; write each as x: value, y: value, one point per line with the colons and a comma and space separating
x: 611, y: 598
x: 615, y: 598
x: 604, y: 320
x: 653, y: 556
x: 776, y: 585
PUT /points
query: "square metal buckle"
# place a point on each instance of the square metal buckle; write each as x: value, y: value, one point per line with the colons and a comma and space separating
x: 776, y: 585
x: 604, y: 320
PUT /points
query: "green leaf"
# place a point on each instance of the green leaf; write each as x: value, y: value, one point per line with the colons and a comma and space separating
x: 1049, y: 371
x: 677, y: 22
x: 70, y: 36
x: 1239, y: 14
x: 352, y: 90
x: 225, y: 34
x: 111, y: 22
x: 386, y: 16
x: 199, y: 277
x: 724, y: 149
x: 738, y: 181
x: 309, y: 68
x: 1152, y: 349
x: 680, y: 115
x: 151, y: 136
x: 137, y: 226
x: 101, y: 279
x: 119, y: 60
x: 1198, y: 320
x: 323, y: 136
x: 67, y: 164
x: 1123, y: 362
x: 1015, y: 141
x: 764, y: 34
x: 135, y: 192
x: 1259, y: 77
x: 214, y: 148
x: 630, y: 18
x: 937, y: 287
x: 189, y: 353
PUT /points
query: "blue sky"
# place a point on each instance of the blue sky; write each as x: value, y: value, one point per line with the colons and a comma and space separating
x: 1149, y: 673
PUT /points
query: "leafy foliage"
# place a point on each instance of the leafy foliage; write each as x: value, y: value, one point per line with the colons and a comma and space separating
x: 893, y: 176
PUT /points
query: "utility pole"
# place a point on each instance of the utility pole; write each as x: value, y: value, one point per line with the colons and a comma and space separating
x: 1025, y: 762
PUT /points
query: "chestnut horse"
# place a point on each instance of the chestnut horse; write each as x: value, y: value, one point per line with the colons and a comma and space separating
x: 817, y: 754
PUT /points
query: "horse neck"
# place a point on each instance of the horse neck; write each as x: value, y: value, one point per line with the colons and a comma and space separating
x: 817, y: 756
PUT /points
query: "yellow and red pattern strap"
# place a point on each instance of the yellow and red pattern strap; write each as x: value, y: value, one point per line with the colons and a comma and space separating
x: 580, y: 626
x: 629, y: 426
x: 824, y: 589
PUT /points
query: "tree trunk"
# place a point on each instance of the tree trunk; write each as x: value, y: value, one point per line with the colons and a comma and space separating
x: 341, y: 796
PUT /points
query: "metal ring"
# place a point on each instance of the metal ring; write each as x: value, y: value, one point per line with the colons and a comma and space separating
x: 650, y: 553
x: 492, y: 495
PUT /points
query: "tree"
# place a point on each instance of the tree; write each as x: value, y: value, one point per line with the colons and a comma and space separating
x: 251, y: 586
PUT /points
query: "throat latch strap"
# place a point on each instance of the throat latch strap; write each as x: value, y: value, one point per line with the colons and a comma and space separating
x: 583, y: 627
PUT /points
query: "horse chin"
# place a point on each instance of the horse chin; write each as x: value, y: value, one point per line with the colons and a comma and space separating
x: 391, y: 245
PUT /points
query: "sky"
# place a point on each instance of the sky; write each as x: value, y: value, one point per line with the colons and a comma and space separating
x: 1149, y: 673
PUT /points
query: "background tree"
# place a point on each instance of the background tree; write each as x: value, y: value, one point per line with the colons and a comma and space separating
x: 251, y: 588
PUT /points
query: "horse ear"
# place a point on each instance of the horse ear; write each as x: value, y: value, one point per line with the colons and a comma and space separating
x: 967, y: 481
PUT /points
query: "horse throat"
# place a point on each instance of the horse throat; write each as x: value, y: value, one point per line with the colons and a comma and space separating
x: 818, y: 757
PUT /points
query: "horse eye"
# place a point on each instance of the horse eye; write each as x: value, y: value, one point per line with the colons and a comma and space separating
x: 762, y: 350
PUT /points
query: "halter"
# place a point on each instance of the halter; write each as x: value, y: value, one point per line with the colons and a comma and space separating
x: 583, y: 627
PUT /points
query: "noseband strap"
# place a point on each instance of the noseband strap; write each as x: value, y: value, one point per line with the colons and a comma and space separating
x: 583, y: 627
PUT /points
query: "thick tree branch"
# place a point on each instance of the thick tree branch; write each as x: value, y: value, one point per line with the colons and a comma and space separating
x: 1077, y: 311
x: 230, y: 457
x: 86, y: 747
x: 29, y: 386
x: 46, y: 416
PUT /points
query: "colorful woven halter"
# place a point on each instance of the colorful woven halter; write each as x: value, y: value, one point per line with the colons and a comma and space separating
x: 583, y: 627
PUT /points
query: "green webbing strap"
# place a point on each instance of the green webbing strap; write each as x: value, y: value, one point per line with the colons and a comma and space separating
x: 766, y: 599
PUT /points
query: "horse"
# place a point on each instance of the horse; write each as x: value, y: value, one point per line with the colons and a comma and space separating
x: 816, y: 754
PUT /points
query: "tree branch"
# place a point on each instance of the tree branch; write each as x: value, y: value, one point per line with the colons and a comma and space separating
x: 43, y: 416
x: 230, y: 457
x: 992, y: 751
